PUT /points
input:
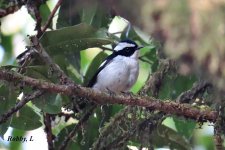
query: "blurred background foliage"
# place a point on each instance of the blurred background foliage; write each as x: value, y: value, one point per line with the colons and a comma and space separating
x: 81, y: 36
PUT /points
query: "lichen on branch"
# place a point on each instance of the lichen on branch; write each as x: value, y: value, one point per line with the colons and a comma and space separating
x: 168, y: 107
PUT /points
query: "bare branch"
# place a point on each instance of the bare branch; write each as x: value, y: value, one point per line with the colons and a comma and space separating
x: 48, y: 131
x: 219, y: 126
x: 195, y: 91
x: 51, y: 17
x: 12, y: 8
x: 19, y: 105
x: 168, y: 107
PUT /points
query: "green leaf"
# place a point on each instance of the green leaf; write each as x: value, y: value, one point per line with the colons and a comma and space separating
x: 174, y: 85
x: 69, y: 14
x: 94, y: 14
x: 184, y: 127
x: 165, y: 136
x: 8, y: 48
x: 87, y: 139
x: 207, y: 141
x: 73, y: 38
x: 89, y: 12
x: 4, y: 127
x: 9, y: 67
x: 73, y: 144
x: 133, y: 35
x: 15, y: 144
x: 183, y: 83
x: 81, y: 140
x: 75, y: 12
x: 94, y: 66
x: 26, y: 119
x: 149, y: 53
x: 74, y: 59
x: 38, y: 72
x: 49, y: 103
x: 69, y: 41
x: 44, y: 12
x: 7, y: 99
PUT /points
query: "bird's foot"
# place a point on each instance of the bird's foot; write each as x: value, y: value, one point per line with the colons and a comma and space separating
x: 111, y: 93
x: 128, y: 93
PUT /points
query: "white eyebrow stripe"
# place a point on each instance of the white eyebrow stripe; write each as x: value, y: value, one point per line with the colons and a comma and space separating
x: 122, y: 45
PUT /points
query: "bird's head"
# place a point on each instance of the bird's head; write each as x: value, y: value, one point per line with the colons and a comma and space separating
x: 127, y: 48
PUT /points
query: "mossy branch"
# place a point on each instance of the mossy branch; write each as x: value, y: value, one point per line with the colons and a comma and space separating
x: 168, y: 107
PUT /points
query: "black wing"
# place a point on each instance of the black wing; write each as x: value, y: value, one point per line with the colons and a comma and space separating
x: 94, y: 78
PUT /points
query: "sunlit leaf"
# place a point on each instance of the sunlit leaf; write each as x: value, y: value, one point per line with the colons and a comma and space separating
x: 184, y: 127
x: 6, y: 42
x: 132, y: 35
x: 44, y: 12
x: 207, y: 141
x: 16, y: 144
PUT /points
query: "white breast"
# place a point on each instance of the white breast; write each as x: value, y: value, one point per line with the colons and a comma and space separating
x: 119, y: 75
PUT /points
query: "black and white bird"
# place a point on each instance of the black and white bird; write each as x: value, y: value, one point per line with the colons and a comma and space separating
x: 119, y: 71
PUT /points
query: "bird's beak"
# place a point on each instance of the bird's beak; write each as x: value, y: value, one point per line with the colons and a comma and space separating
x: 140, y: 47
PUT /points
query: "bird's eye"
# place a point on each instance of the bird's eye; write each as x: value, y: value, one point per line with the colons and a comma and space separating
x: 127, y: 49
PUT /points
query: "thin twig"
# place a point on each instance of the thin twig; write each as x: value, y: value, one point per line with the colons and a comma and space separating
x: 64, y: 79
x: 48, y: 131
x: 19, y: 105
x: 168, y: 107
x: 194, y: 92
x: 144, y: 60
x: 51, y: 17
x: 75, y: 129
x: 11, y: 9
x: 155, y: 81
x: 111, y: 125
x: 38, y: 20
x: 219, y: 127
x: 106, y: 48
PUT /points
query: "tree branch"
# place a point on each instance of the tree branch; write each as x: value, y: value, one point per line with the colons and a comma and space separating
x: 12, y: 8
x: 168, y: 107
x: 51, y: 17
x: 64, y: 79
x: 154, y: 82
x: 19, y: 105
x: 75, y: 129
x: 194, y: 92
x: 48, y: 131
